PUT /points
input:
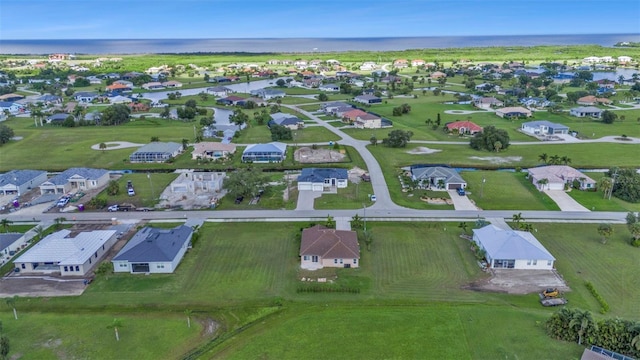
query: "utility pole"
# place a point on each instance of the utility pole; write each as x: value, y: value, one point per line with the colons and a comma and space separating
x: 364, y: 216
x: 482, y: 186
x: 153, y: 195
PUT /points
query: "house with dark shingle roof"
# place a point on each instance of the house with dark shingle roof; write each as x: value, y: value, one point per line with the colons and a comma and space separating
x: 75, y: 179
x: 153, y: 251
x: 323, y: 247
x: 19, y: 182
x: 322, y: 179
x: 286, y: 120
x: 437, y: 177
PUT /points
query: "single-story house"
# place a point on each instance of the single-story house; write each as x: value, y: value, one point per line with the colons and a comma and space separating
x: 11, y: 97
x: 156, y: 152
x: 487, y: 102
x: 368, y: 121
x: 231, y: 100
x: 463, y: 127
x: 438, y: 75
x: 212, y: 150
x: 512, y: 249
x: 57, y: 119
x: 437, y: 177
x: 367, y: 99
x: 592, y: 100
x: 197, y: 182
x: 321, y: 246
x: 268, y: 94
x: 322, y: 179
x: 417, y: 62
x: 368, y: 66
x: 49, y: 99
x: 556, y: 177
x: 7, y: 247
x: 286, y: 120
x: 544, y: 127
x: 75, y: 179
x: 118, y: 88
x: 586, y: 111
x: 329, y: 87
x: 172, y: 84
x: 85, y: 97
x: 12, y: 107
x: 330, y: 108
x: 66, y: 252
x: 118, y: 99
x: 535, y: 102
x: 154, y: 85
x: 219, y: 91
x: 265, y: 153
x: 624, y: 59
x: 400, y: 63
x: 125, y: 83
x: 154, y: 251
x: 353, y: 114
x: 18, y: 182
x: 513, y: 112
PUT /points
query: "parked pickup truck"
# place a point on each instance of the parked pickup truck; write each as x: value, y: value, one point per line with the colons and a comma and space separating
x: 121, y: 207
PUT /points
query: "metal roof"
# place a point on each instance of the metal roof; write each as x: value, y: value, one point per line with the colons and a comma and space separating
x: 510, y: 244
x: 160, y: 147
x: 60, y: 249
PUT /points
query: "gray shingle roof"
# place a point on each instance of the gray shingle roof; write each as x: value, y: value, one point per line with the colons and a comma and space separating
x: 319, y: 174
x: 154, y: 244
x: 160, y: 147
x: 450, y: 175
x: 7, y: 239
x: 19, y: 177
x: 86, y: 173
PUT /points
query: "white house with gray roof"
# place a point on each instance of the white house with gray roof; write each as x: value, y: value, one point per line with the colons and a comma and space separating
x: 66, y: 252
x: 437, y: 177
x: 586, y: 111
x: 75, y: 179
x: 511, y: 249
x: 543, y: 127
x: 287, y: 120
x: 18, y: 182
x: 156, y: 152
x: 322, y: 179
x: 154, y: 251
x: 268, y: 94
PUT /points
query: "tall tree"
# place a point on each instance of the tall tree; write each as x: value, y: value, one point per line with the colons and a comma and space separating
x: 188, y: 313
x: 608, y: 117
x: 543, y: 157
x: 606, y: 185
x: 397, y: 138
x: 584, y: 321
x: 115, y: 115
x: 6, y: 223
x: 6, y: 134
x: 245, y: 182
x: 517, y: 218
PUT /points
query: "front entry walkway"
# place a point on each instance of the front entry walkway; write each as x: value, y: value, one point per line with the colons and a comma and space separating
x: 564, y: 201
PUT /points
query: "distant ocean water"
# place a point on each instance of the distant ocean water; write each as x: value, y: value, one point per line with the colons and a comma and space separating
x: 294, y: 45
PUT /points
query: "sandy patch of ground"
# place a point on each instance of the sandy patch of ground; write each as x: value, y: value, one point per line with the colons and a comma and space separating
x: 437, y: 201
x: 114, y: 145
x: 355, y: 174
x: 520, y: 281
x: 498, y: 159
x: 420, y: 150
x: 307, y: 155
x: 209, y: 326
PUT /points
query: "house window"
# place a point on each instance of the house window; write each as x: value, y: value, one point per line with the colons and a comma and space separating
x: 528, y: 262
x: 548, y: 262
x: 89, y: 261
x: 335, y: 261
x: 102, y: 247
x: 355, y: 261
x: 66, y: 268
x: 314, y: 258
x: 23, y: 266
x: 95, y: 254
x: 77, y: 268
x: 535, y: 262
x: 340, y: 261
x: 305, y: 258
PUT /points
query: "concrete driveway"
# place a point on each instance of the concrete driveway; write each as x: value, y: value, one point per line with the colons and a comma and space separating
x: 564, y: 201
x: 306, y: 199
x: 461, y: 202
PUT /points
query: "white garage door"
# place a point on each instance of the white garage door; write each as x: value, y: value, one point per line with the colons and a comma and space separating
x: 318, y: 187
x: 556, y: 186
x: 304, y: 186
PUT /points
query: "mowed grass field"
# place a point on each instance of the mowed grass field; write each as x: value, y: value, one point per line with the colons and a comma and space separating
x: 41, y: 336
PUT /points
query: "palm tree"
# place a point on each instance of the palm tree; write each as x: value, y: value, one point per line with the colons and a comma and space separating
x: 605, y: 231
x: 543, y: 157
x: 103, y: 146
x: 463, y: 226
x: 526, y: 227
x: 11, y: 302
x: 188, y: 312
x: 58, y: 222
x: 115, y: 325
x: 6, y: 223
x: 606, y: 184
x: 517, y: 218
x: 554, y: 160
x: 584, y: 320
x: 39, y: 232
x: 542, y: 182
x: 635, y: 341
x: 566, y: 160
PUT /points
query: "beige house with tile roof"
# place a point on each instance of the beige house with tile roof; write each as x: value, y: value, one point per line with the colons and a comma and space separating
x: 323, y: 247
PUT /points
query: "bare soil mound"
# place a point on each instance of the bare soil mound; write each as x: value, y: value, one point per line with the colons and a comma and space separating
x: 307, y: 155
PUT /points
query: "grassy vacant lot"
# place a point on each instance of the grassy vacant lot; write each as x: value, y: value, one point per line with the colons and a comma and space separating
x: 504, y: 190
x: 352, y: 197
x: 145, y: 195
x: 86, y: 336
x: 399, y: 332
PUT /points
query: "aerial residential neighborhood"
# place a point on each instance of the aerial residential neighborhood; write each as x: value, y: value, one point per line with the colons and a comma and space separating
x: 240, y: 201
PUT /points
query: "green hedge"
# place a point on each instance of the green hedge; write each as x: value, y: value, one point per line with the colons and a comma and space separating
x: 603, y: 303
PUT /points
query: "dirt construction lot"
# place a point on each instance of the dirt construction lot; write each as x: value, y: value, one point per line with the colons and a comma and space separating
x: 42, y: 286
x: 521, y: 281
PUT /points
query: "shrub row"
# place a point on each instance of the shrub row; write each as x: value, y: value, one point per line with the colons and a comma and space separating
x: 603, y: 303
x: 328, y: 289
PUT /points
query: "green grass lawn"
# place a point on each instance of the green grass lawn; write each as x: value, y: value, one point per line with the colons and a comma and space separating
x: 147, y: 190
x: 351, y: 197
x: 596, y: 201
x: 86, y: 336
x: 504, y: 190
x: 399, y: 332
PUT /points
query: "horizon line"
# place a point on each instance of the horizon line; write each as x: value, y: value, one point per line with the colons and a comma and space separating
x: 317, y: 37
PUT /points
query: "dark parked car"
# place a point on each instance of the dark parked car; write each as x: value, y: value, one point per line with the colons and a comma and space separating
x: 239, y: 199
x: 461, y: 191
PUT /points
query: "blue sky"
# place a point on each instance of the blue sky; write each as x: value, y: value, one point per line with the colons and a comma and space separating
x: 171, y: 19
